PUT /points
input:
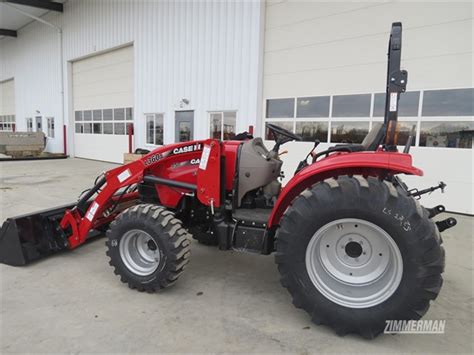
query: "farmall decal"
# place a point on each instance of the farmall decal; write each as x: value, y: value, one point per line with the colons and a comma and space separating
x: 187, y: 149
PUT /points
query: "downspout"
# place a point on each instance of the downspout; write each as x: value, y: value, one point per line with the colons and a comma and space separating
x: 259, y: 126
x: 60, y: 38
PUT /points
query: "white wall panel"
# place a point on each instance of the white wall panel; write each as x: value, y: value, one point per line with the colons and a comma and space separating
x: 104, y: 80
x: 102, y: 147
x: 336, y: 48
x: 32, y: 60
x: 7, y: 97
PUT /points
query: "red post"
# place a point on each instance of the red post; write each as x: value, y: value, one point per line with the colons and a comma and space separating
x: 64, y: 140
x: 251, y: 130
x: 130, y: 137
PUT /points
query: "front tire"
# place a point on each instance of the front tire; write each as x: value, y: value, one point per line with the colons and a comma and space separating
x: 148, y: 247
x: 355, y: 252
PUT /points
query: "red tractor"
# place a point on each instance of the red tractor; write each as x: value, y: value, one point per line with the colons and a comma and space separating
x: 353, y: 245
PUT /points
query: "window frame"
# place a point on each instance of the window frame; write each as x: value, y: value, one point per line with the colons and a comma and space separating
x: 221, y: 112
x: 417, y: 119
x: 280, y: 98
x: 29, y: 124
x: 50, y: 127
x: 7, y: 123
x: 79, y: 120
x: 154, y: 114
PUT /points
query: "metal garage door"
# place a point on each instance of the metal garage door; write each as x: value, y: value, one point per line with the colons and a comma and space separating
x: 103, y: 102
x: 7, y: 105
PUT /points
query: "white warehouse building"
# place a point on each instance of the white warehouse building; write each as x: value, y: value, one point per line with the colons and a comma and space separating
x: 84, y: 71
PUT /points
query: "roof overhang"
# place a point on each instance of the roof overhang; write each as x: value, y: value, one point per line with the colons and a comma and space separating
x: 13, y: 13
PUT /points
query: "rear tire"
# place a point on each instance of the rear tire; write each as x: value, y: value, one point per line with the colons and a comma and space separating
x: 148, y: 247
x: 354, y: 288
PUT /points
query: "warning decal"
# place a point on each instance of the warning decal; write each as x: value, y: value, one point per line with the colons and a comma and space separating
x: 205, y: 157
x: 92, y: 211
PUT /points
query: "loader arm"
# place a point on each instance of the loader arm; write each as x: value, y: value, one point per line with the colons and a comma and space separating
x: 30, y: 237
x: 88, y: 215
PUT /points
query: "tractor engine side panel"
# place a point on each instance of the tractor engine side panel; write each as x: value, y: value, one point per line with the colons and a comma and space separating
x: 230, y: 150
x: 180, y: 167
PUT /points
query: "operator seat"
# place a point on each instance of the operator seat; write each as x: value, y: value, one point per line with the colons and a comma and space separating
x: 370, y: 143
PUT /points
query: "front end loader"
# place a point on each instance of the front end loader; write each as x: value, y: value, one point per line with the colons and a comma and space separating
x: 353, y: 245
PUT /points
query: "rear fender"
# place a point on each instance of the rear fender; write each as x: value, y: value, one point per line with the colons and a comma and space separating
x: 363, y: 163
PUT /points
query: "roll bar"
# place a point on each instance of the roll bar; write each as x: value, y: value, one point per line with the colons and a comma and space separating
x: 396, y: 84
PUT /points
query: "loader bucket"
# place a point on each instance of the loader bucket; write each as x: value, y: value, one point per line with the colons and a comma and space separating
x: 30, y: 237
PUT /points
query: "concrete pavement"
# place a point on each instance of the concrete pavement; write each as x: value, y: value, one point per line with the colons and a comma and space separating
x: 224, y: 302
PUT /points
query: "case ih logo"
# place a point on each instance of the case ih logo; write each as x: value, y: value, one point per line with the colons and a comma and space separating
x: 187, y: 149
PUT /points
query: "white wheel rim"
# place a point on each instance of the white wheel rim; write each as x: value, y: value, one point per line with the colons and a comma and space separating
x: 354, y: 263
x: 139, y: 252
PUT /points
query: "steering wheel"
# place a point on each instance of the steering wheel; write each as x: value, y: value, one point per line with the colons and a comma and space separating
x: 276, y: 131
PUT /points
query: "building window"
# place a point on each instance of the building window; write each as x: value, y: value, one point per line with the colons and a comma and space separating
x: 405, y: 129
x: 7, y: 122
x: 283, y: 124
x: 129, y: 114
x: 39, y: 123
x: 407, y: 106
x: 454, y: 102
x: 349, y: 131
x: 108, y: 114
x: 79, y: 128
x: 108, y: 128
x: 119, y: 128
x: 29, y: 124
x: 445, y: 134
x: 312, y: 106
x: 78, y: 116
x: 280, y: 108
x: 103, y: 121
x: 310, y: 131
x: 97, y: 128
x: 119, y: 114
x: 417, y: 109
x: 223, y: 125
x: 351, y: 105
x: 87, y: 115
x: 87, y: 127
x: 97, y: 115
x: 50, y: 123
x: 154, y: 128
